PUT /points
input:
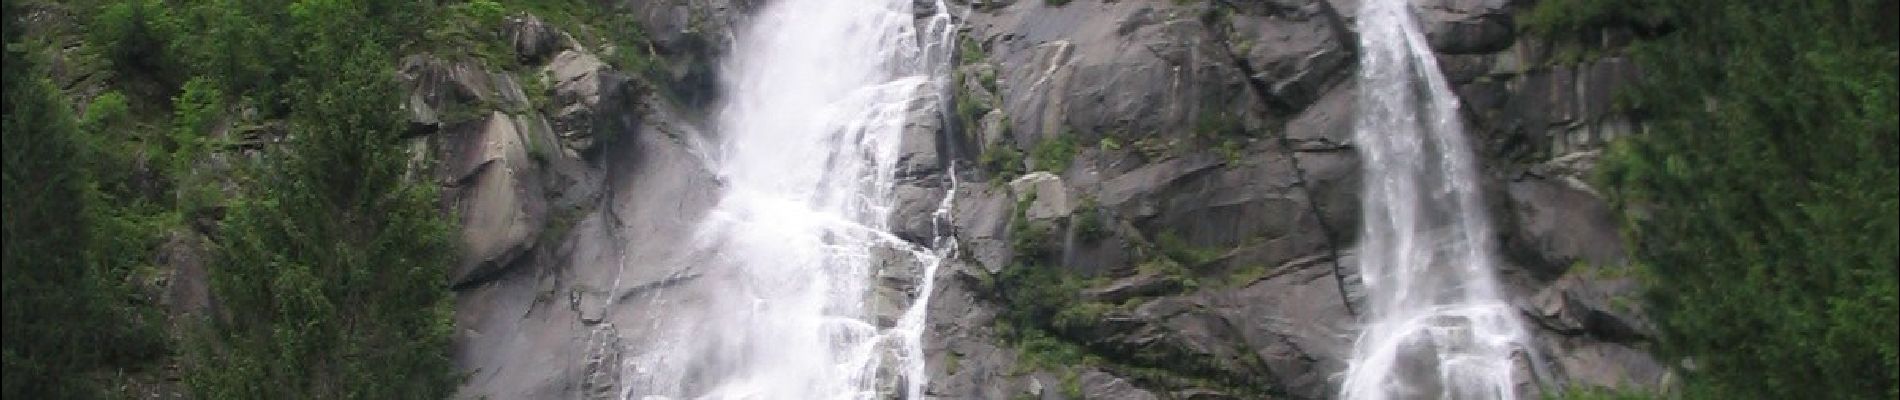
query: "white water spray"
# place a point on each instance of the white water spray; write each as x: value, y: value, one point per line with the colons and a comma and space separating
x: 1436, y: 325
x: 817, y: 93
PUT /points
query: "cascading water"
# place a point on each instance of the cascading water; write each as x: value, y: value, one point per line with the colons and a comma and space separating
x: 1436, y: 324
x: 817, y: 93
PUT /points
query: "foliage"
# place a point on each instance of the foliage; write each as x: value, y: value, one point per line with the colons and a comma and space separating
x: 1002, y: 161
x: 133, y: 35
x: 1762, y: 201
x: 1246, y: 275
x: 1218, y: 124
x: 969, y: 51
x: 471, y: 29
x: 1089, y: 222
x: 195, y: 113
x: 330, y: 262
x: 1231, y: 150
x: 62, y: 319
x: 1179, y: 250
x: 1577, y: 393
x: 1054, y: 154
x: 1055, y: 328
x: 1575, y: 19
x: 332, y: 265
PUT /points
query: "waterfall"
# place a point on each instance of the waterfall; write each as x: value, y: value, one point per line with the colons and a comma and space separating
x: 816, y: 97
x: 1436, y: 325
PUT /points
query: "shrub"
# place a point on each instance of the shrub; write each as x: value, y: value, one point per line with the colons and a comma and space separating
x: 1003, y: 162
x: 1761, y: 203
x: 62, y: 318
x: 133, y: 35
x: 1054, y: 154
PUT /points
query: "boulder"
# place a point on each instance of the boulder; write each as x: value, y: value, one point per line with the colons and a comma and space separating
x: 1467, y: 26
x: 440, y: 91
x: 534, y: 40
x: 1556, y: 223
x: 591, y: 102
x: 917, y: 157
x: 498, y: 197
x: 1044, y: 195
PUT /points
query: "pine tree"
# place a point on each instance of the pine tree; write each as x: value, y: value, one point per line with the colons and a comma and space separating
x: 1762, y: 202
x: 333, y: 266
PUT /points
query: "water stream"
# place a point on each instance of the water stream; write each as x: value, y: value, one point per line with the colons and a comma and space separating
x: 1435, y: 324
x: 817, y: 93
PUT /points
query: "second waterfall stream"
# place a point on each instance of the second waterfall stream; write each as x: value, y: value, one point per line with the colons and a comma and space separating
x: 1434, y: 324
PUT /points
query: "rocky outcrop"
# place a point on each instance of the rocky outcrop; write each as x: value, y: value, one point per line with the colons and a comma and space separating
x: 1216, y: 136
x: 500, y: 202
x: 689, y: 36
x: 558, y: 192
x: 590, y: 100
x: 1190, y: 164
x: 534, y: 40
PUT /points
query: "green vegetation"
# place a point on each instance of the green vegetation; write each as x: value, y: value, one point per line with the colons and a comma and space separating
x: 1179, y: 250
x: 1089, y: 221
x: 332, y: 265
x: 1579, y: 19
x: 1245, y: 275
x: 952, y: 362
x: 1054, y: 154
x: 1218, y: 124
x: 328, y: 261
x: 1053, y: 328
x: 1003, y: 163
x: 65, y: 316
x: 968, y: 50
x: 1170, y: 270
x: 1155, y: 148
x: 1575, y: 393
x: 1761, y: 202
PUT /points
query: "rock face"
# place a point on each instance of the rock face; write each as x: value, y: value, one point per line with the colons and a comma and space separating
x: 533, y: 40
x: 1217, y: 136
x: 1190, y: 163
x: 590, y: 100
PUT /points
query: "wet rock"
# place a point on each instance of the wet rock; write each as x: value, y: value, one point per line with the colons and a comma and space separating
x: 982, y: 219
x: 917, y: 155
x: 543, y: 330
x: 914, y: 218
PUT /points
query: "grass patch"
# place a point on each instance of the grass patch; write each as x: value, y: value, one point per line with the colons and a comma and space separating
x: 1090, y: 222
x: 1246, y: 275
x: 1175, y: 248
x: 1054, y: 155
x: 1002, y: 162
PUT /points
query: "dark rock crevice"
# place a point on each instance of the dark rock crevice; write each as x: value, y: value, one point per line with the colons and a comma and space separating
x: 1276, y: 106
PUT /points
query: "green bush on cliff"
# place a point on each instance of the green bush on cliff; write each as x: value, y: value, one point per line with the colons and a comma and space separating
x: 64, y: 319
x: 1761, y: 202
x: 330, y: 256
x: 331, y: 266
